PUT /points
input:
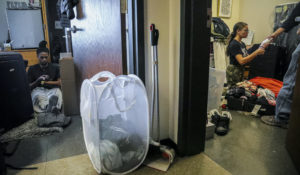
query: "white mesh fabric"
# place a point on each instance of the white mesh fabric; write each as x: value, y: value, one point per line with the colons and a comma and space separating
x: 115, y: 119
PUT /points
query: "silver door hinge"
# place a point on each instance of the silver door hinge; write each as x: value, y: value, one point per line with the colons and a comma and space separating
x: 124, y: 6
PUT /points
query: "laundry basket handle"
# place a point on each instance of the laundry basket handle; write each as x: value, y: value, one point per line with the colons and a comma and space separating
x: 103, y: 74
x: 132, y: 92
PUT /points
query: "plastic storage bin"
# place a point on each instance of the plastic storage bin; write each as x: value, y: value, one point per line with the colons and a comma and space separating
x: 115, y: 117
x: 215, y: 88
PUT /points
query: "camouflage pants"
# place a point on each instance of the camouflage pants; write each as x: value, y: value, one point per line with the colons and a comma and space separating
x: 234, y: 74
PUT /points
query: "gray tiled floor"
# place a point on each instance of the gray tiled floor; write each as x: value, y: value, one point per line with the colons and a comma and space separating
x: 251, y: 147
x: 47, y: 148
x: 65, y: 153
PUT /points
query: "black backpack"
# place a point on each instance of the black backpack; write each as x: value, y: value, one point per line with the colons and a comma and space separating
x: 219, y: 29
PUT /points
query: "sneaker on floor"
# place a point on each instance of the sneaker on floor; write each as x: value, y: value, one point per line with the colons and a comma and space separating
x: 226, y: 114
x: 215, y: 118
x: 272, y: 121
x: 222, y: 127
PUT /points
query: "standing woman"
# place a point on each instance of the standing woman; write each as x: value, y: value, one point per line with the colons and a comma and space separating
x: 238, y: 54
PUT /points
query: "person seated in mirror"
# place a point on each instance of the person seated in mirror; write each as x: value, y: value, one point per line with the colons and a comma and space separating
x: 238, y: 54
x: 44, y: 81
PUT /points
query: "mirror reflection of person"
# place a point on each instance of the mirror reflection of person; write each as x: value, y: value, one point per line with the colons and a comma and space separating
x: 284, y: 98
x: 44, y: 81
x: 238, y: 54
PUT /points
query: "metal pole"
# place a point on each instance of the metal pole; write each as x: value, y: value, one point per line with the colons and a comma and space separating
x: 68, y: 40
x: 155, y: 91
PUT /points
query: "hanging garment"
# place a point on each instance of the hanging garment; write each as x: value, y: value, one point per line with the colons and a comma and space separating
x: 66, y: 7
x: 269, y: 83
x: 274, y: 57
x: 220, y: 57
x: 288, y: 39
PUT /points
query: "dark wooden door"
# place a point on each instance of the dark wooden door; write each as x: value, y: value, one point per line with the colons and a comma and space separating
x: 98, y: 45
x: 293, y: 135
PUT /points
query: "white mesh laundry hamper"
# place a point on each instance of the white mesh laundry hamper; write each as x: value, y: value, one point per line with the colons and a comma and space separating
x: 115, y: 117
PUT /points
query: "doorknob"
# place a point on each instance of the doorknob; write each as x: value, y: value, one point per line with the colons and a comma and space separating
x: 67, y: 37
x: 74, y: 29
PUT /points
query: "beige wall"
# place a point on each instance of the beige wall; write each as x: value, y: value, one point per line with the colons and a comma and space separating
x: 259, y: 14
x: 174, y: 53
x: 157, y: 12
x: 235, y: 12
x: 165, y: 14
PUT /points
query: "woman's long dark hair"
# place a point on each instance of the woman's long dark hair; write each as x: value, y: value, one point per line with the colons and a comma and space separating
x: 237, y: 26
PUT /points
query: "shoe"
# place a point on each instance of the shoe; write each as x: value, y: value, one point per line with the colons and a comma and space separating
x: 272, y: 121
x: 220, y: 121
x: 227, y: 114
x: 222, y: 127
x: 215, y: 117
x: 52, y: 103
x: 55, y: 110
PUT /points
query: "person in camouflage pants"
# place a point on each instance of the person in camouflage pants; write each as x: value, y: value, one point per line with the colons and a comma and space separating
x: 234, y: 74
x: 238, y: 54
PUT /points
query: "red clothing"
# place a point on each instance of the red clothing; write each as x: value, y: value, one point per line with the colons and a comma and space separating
x: 270, y: 83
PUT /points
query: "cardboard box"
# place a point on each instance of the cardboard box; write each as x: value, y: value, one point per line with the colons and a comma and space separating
x: 210, y: 131
x: 67, y: 69
x: 68, y: 87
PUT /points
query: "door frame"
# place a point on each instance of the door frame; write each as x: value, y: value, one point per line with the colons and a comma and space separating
x: 193, y: 73
x: 136, y: 39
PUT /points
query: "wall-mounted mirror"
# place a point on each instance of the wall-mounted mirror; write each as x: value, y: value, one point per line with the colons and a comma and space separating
x: 25, y: 27
x: 24, y: 23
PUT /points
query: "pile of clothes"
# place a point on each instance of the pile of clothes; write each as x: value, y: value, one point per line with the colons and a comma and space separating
x: 245, y: 95
x: 250, y: 92
x: 121, y: 147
